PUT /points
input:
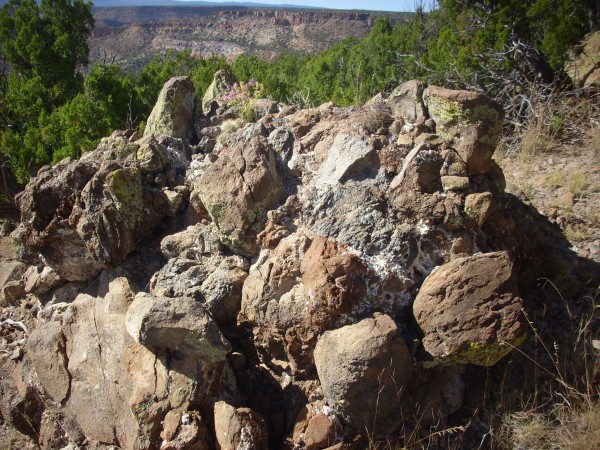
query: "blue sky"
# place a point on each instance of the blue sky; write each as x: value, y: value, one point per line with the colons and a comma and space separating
x: 376, y: 5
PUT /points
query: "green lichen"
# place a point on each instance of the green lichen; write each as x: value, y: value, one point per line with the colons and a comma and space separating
x: 478, y: 353
x: 125, y: 188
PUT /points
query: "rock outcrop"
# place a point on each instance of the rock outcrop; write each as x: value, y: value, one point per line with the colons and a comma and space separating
x: 316, y: 275
x: 173, y: 113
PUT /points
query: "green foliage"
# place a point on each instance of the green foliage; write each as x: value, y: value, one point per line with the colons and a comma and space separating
x: 48, y: 42
x: 48, y: 110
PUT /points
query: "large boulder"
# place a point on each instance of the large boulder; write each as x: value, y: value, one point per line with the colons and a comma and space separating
x: 297, y: 291
x: 110, y: 389
x: 348, y: 157
x: 239, y: 188
x: 406, y: 101
x: 87, y: 215
x: 469, y: 311
x: 174, y: 110
x: 363, y: 369
x: 200, y: 268
x: 470, y: 121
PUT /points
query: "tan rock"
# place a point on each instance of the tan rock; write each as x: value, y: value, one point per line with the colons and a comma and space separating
x: 470, y: 120
x: 237, y: 428
x: 451, y: 183
x: 46, y: 346
x: 190, y: 434
x: 363, y: 369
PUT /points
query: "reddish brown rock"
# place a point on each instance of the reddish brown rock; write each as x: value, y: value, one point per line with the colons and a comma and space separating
x: 480, y: 206
x: 320, y: 432
x: 469, y: 311
x: 333, y: 281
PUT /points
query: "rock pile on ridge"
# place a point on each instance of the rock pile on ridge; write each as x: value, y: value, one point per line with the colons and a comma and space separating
x: 312, y: 276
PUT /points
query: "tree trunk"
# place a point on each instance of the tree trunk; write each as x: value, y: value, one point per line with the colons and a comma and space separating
x: 593, y: 10
x: 8, y: 189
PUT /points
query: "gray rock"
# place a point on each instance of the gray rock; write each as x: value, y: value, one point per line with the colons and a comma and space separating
x: 349, y: 157
x: 178, y: 324
x: 172, y: 115
x: 406, y: 101
x: 363, y: 369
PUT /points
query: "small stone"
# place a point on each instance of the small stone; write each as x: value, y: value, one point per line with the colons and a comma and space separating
x: 452, y: 183
x: 16, y: 354
x: 170, y: 425
x: 319, y: 433
x: 480, y: 206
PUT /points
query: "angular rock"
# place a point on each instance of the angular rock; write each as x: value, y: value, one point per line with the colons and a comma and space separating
x: 469, y: 311
x: 469, y: 120
x: 11, y: 293
x: 46, y: 346
x: 450, y: 183
x: 406, y: 101
x: 320, y: 432
x: 178, y: 324
x: 222, y: 82
x: 480, y: 206
x: 239, y: 428
x: 86, y: 215
x: 11, y: 272
x: 172, y: 115
x: 190, y: 434
x: 238, y: 190
x: 363, y: 369
x: 349, y: 157
x: 38, y: 280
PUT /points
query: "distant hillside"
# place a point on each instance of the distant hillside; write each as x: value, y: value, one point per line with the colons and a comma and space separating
x: 131, y: 36
x: 120, y: 3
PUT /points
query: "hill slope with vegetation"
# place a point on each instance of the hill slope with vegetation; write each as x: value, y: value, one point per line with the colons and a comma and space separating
x: 52, y: 112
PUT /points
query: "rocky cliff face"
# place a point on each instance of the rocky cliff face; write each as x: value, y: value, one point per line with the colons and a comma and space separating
x: 132, y: 36
x: 315, y: 276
